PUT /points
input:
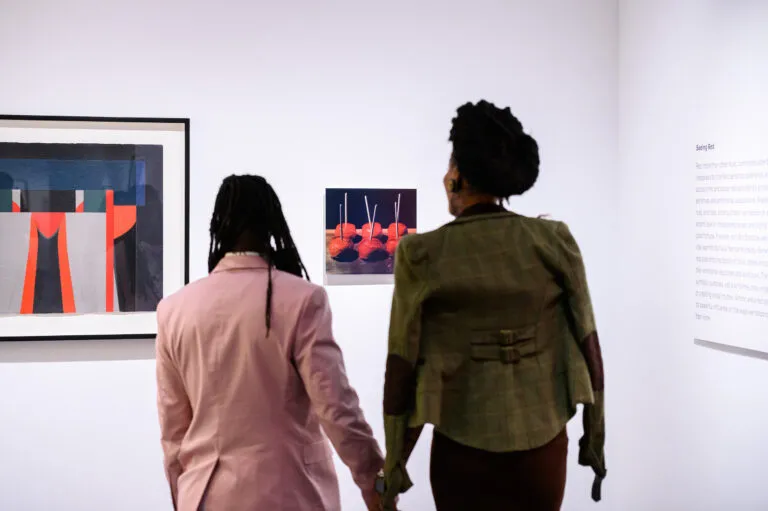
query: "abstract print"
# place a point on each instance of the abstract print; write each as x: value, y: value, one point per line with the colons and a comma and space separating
x: 82, y: 228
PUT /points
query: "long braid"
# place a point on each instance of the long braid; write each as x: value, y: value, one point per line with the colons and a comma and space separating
x: 250, y: 204
x: 221, y: 212
x: 269, y: 298
x: 286, y: 242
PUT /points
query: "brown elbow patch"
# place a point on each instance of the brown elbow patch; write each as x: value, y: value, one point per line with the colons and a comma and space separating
x: 399, y: 385
x: 590, y: 348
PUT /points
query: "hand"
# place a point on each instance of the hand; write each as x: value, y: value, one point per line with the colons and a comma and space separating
x: 372, y: 499
x: 392, y: 506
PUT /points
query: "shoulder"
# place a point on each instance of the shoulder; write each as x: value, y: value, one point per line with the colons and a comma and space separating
x: 289, y: 282
x: 415, y: 247
x: 181, y: 298
x: 563, y: 233
x: 556, y: 238
x: 412, y: 241
x: 540, y: 222
x: 173, y: 310
x: 547, y: 228
x: 290, y: 289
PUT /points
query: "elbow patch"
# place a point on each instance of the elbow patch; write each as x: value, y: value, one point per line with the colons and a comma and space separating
x: 590, y: 348
x: 399, y: 386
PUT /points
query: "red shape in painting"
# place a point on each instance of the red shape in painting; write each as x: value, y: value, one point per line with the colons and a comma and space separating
x: 47, y: 225
x: 350, y: 231
x: 337, y: 246
x: 368, y: 247
x: 397, y: 230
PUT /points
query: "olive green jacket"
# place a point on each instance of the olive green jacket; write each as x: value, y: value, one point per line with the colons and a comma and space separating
x: 492, y: 340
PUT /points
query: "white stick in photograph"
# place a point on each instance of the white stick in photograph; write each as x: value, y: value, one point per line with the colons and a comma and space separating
x: 345, y: 209
x: 368, y: 211
x: 373, y: 220
x: 397, y: 224
x: 341, y: 223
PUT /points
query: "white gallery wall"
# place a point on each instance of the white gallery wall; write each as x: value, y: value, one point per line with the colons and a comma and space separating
x: 311, y: 95
x: 361, y: 94
x: 691, y: 73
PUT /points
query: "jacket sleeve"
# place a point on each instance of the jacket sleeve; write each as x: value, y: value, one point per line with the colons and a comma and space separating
x: 400, y: 377
x: 174, y: 410
x: 321, y: 365
x: 591, y: 445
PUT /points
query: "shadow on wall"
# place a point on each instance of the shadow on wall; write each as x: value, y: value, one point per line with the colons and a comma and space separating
x: 732, y: 350
x: 20, y: 352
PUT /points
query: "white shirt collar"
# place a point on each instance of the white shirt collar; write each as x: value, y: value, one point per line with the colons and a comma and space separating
x: 240, y: 254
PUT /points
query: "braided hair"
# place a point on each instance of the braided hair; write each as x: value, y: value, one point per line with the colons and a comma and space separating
x: 492, y: 152
x: 249, y: 204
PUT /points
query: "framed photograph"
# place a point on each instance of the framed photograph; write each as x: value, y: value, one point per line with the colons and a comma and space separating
x: 362, y: 229
x: 94, y: 224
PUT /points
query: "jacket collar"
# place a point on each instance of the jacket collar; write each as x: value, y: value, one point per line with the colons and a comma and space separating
x: 482, y: 211
x: 233, y: 262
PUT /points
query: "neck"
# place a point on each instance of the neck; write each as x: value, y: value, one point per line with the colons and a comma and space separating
x: 247, y: 242
x: 474, y: 200
x: 245, y: 247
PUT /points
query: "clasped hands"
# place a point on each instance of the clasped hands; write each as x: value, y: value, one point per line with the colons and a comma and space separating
x: 375, y: 502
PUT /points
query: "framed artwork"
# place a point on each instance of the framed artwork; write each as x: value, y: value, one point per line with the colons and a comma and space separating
x: 94, y: 224
x: 362, y: 229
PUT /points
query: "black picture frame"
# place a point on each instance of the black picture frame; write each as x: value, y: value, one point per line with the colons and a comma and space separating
x: 180, y: 123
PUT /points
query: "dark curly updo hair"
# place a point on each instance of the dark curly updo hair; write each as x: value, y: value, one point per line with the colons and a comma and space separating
x: 491, y: 151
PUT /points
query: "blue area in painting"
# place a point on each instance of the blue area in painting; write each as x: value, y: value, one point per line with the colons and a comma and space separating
x: 6, y: 200
x: 126, y: 177
x: 140, y: 184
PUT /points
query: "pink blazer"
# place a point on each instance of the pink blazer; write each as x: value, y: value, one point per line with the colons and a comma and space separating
x: 241, y: 414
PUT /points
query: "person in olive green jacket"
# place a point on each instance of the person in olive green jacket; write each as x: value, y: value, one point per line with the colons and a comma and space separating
x: 492, y: 337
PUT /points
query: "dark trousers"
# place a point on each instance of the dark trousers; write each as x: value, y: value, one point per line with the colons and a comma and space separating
x: 466, y: 479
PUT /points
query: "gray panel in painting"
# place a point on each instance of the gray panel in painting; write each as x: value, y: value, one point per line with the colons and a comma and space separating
x: 115, y: 299
x: 14, y: 249
x: 86, y: 246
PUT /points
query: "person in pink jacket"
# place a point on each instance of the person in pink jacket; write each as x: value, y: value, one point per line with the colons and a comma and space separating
x: 249, y: 376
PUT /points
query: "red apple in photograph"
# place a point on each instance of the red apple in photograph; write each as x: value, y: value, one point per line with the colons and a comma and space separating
x: 368, y: 247
x: 338, y: 245
x: 350, y: 231
x: 376, y: 230
x: 397, y: 230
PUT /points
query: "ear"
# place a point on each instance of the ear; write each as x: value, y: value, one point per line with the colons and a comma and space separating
x: 455, y: 185
x: 453, y: 168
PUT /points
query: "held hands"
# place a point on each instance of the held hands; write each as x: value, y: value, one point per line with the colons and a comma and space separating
x: 589, y: 456
x: 592, y: 444
x: 372, y: 499
x: 374, y: 502
x: 376, y: 497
